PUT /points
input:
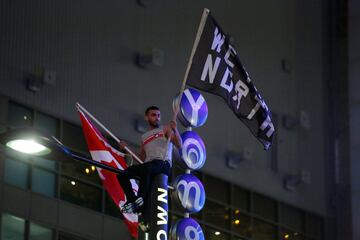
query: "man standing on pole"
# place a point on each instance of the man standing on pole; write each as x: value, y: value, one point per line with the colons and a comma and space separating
x: 156, y: 152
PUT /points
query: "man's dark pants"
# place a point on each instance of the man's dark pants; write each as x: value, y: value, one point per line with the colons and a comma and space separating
x: 145, y: 173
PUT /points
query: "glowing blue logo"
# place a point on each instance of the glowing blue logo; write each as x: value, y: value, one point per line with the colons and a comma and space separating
x: 193, y: 110
x: 193, y: 151
x: 187, y: 229
x: 190, y: 192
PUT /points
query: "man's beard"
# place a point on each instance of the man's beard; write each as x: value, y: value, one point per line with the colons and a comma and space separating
x: 154, y: 124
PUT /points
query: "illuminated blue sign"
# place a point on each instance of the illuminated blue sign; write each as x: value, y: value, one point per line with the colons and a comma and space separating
x: 186, y: 229
x: 193, y: 151
x: 193, y: 110
x: 190, y: 193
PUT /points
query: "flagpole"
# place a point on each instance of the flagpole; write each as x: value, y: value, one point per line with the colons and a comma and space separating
x: 78, y: 106
x: 196, y: 43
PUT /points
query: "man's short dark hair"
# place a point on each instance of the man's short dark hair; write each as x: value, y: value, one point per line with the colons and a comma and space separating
x: 151, y: 108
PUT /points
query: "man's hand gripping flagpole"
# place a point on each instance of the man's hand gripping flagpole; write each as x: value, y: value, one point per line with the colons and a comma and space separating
x: 78, y: 106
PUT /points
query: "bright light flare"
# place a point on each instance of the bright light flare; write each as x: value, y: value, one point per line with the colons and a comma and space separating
x: 28, y: 146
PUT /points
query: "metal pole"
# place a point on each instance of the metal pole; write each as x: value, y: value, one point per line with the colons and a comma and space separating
x: 157, y: 214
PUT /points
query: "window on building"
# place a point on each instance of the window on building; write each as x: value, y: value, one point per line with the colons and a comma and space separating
x: 264, y: 207
x: 211, y: 233
x: 80, y: 193
x: 73, y: 137
x: 17, y: 173
x: 19, y: 116
x: 12, y: 227
x: 44, y: 163
x: 197, y: 216
x: 217, y: 214
x: 241, y: 198
x: 263, y: 231
x: 47, y: 124
x: 241, y: 223
x: 43, y: 176
x: 286, y: 234
x: 68, y: 236
x: 43, y: 182
x: 75, y: 169
x: 239, y: 238
x: 111, y: 208
x: 216, y: 189
x: 291, y: 217
x: 38, y: 232
x: 313, y: 226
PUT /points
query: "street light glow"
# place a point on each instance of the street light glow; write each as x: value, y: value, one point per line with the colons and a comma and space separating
x: 28, y: 146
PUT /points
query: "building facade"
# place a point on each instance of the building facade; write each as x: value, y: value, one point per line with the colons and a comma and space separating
x: 116, y: 58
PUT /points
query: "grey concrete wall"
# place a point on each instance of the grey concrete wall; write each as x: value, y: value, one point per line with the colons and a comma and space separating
x: 354, y: 108
x: 91, y: 44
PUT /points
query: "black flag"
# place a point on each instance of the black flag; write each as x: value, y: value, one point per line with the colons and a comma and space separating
x: 216, y: 68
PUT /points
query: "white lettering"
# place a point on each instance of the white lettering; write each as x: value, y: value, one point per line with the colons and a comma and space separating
x: 162, y: 197
x: 253, y: 111
x: 231, y: 51
x: 195, y: 106
x: 161, y: 233
x: 268, y: 123
x: 218, y: 40
x: 209, y: 69
x: 224, y: 80
x: 162, y: 216
x: 260, y: 102
x: 241, y: 90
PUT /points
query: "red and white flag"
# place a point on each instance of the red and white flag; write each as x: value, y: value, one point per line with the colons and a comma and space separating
x: 101, y: 151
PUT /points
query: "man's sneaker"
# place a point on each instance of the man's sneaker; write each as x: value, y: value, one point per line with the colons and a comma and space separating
x: 133, y: 207
x: 144, y: 227
x: 127, y: 207
x: 139, y: 202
